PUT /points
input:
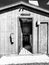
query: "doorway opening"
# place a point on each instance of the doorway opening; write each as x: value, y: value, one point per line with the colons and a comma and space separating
x: 26, y: 27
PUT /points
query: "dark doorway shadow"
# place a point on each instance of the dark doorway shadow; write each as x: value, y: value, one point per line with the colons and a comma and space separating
x: 26, y: 27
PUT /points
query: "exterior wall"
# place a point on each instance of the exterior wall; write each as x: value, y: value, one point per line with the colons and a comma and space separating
x: 43, y: 30
x: 9, y: 24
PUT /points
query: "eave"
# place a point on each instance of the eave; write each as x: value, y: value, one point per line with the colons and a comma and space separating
x: 26, y: 6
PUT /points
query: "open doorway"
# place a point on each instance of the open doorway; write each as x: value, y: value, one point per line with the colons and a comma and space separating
x: 26, y: 27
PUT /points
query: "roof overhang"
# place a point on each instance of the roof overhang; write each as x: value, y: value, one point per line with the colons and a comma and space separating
x: 27, y: 6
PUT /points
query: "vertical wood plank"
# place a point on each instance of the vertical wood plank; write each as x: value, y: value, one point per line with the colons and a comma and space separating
x: 43, y: 38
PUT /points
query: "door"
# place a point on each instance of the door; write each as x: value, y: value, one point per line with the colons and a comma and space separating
x: 43, y: 38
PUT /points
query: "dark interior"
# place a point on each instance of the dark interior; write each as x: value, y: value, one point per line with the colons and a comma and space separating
x: 26, y: 27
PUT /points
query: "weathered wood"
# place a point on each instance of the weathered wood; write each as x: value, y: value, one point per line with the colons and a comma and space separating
x: 9, y: 24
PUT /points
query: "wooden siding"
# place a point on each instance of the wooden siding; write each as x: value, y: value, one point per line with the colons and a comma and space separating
x: 9, y: 24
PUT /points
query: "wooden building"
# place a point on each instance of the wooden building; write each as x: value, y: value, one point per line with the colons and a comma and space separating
x: 22, y: 21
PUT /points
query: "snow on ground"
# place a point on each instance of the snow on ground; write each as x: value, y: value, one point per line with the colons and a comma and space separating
x: 21, y: 58
x: 25, y: 52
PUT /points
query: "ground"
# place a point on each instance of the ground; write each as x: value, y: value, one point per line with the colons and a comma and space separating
x: 25, y: 57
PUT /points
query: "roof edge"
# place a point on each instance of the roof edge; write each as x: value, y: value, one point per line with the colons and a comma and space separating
x: 11, y: 5
x: 24, y: 3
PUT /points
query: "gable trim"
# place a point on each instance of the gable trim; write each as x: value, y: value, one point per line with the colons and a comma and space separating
x: 25, y: 5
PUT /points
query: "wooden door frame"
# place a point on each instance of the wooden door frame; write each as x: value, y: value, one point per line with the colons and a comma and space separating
x: 32, y: 27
